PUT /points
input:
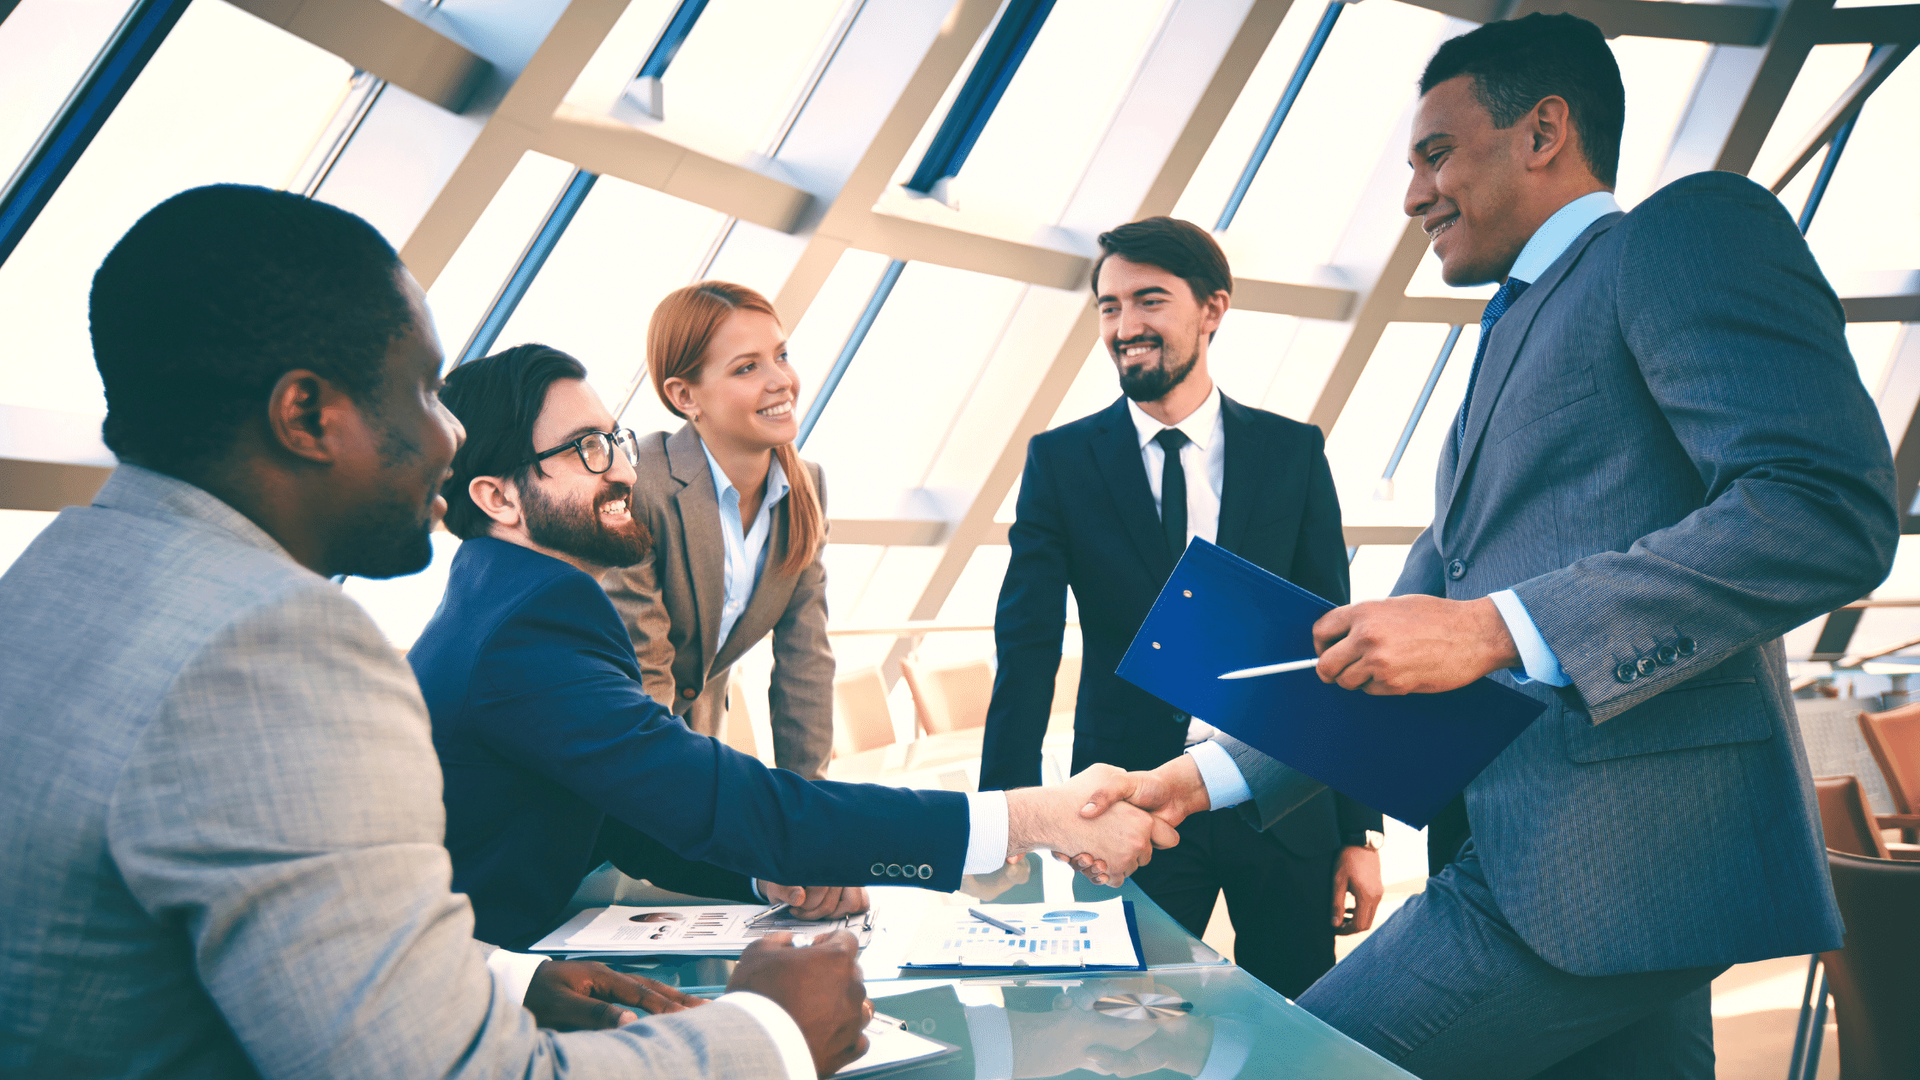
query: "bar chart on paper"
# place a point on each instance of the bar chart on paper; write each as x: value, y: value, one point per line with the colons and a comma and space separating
x: 1076, y: 935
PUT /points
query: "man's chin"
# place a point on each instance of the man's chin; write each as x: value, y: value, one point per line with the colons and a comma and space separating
x: 391, y: 557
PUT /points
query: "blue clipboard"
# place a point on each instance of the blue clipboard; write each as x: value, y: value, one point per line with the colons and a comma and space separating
x: 1405, y: 756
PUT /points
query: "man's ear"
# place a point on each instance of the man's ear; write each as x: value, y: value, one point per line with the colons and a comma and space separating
x: 498, y: 498
x: 1214, y: 310
x: 1549, y: 129
x: 308, y: 415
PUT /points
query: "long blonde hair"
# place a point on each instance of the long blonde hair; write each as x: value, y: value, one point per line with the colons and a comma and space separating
x: 683, y: 327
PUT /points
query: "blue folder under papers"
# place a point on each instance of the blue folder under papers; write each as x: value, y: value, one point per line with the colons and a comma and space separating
x: 1406, y: 756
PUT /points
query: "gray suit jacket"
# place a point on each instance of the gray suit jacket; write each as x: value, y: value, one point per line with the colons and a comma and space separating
x: 223, y: 829
x: 671, y: 605
x: 1670, y: 459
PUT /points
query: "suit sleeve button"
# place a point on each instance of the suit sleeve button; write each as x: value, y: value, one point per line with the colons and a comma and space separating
x: 878, y: 870
x: 1625, y: 672
x: 926, y: 872
x: 1457, y: 569
x: 1684, y: 646
x: 689, y: 693
x: 893, y: 869
x: 1645, y: 665
x: 1666, y: 654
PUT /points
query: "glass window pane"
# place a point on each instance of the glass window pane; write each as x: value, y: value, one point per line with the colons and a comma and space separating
x: 627, y: 248
x: 227, y: 98
x: 1869, y: 221
x: 17, y: 530
x: 472, y: 278
x: 735, y: 78
x: 1364, y: 437
x: 401, y: 606
x: 1300, y: 203
x: 46, y: 47
x: 1375, y: 569
x: 898, y: 400
x: 1035, y: 148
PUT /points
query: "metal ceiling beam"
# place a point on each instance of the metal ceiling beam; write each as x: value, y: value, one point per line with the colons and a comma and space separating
x: 1880, y: 64
x: 751, y: 190
x: 1871, y: 25
x: 1287, y: 298
x: 1721, y: 24
x: 399, y: 44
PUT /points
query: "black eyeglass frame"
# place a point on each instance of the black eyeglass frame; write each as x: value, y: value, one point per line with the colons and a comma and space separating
x: 624, y: 438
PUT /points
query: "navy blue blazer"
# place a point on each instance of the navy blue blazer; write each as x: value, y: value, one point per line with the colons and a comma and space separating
x: 544, y: 735
x: 1085, y: 520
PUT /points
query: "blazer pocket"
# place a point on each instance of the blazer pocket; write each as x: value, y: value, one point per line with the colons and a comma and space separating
x: 1705, y: 712
x: 1540, y: 403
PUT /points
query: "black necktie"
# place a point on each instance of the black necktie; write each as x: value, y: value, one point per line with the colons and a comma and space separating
x: 1496, y: 307
x: 1173, y: 491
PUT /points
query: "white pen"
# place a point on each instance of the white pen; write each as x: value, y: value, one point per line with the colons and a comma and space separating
x: 1272, y: 669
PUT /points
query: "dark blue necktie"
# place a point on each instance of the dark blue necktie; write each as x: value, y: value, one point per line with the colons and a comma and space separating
x: 1173, y: 490
x: 1496, y: 307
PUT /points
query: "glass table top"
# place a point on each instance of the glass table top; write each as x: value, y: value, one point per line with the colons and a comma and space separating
x: 1210, y: 1022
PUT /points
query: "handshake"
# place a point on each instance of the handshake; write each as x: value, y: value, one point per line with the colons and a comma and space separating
x: 1106, y: 821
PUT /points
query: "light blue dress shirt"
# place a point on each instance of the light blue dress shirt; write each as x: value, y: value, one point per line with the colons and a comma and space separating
x: 1225, y: 785
x: 1547, y: 244
x: 746, y: 559
x: 746, y: 547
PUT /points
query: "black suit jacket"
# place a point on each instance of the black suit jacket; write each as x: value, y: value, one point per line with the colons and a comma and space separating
x: 1085, y: 520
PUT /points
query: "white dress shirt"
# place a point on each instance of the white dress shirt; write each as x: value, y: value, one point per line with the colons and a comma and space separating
x: 1203, y: 459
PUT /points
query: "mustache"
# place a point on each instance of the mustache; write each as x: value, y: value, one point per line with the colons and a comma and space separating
x: 613, y: 491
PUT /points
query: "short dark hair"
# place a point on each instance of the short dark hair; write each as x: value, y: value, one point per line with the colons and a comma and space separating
x: 216, y: 293
x: 1181, y: 248
x: 1518, y: 62
x: 498, y: 399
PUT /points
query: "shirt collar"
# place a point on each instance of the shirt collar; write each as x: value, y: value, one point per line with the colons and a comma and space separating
x: 1559, y: 232
x: 776, y: 480
x: 1198, y: 426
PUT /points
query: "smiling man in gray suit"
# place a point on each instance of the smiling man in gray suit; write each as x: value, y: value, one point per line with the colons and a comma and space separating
x: 219, y: 796
x: 1665, y: 460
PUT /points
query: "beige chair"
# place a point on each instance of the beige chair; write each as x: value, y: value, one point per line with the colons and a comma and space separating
x: 1894, y: 739
x: 861, y: 719
x: 949, y: 698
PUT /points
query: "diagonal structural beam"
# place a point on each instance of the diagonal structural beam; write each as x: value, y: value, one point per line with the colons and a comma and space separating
x: 1880, y: 64
x: 383, y: 39
x: 1718, y: 24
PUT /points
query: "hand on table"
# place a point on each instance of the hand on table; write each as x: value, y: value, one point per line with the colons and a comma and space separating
x: 1413, y: 644
x: 815, y: 901
x: 584, y: 995
x: 1356, y: 873
x: 1122, y: 838
x: 819, y: 986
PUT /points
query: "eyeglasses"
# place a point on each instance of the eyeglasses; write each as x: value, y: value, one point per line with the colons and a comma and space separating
x: 596, y: 449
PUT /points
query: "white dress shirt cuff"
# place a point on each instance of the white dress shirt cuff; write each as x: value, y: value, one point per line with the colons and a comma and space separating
x: 991, y: 1036
x: 513, y: 972
x: 986, y: 832
x: 780, y: 1027
x: 1540, y: 663
x: 1225, y: 785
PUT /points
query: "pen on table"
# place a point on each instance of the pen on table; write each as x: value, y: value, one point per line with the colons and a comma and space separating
x: 890, y: 1021
x: 991, y: 921
x: 1272, y: 669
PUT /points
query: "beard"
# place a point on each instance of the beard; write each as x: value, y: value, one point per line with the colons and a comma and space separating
x: 1153, y: 382
x: 391, y: 538
x: 575, y: 529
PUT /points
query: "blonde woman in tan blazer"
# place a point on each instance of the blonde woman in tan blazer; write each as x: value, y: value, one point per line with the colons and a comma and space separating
x: 738, y: 524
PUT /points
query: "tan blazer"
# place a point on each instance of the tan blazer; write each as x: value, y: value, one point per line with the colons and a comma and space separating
x: 671, y: 605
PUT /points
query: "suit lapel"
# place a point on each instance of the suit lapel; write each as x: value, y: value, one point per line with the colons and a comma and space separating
x: 1116, y: 450
x: 700, y: 535
x: 1248, y: 462
x: 1503, y: 348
